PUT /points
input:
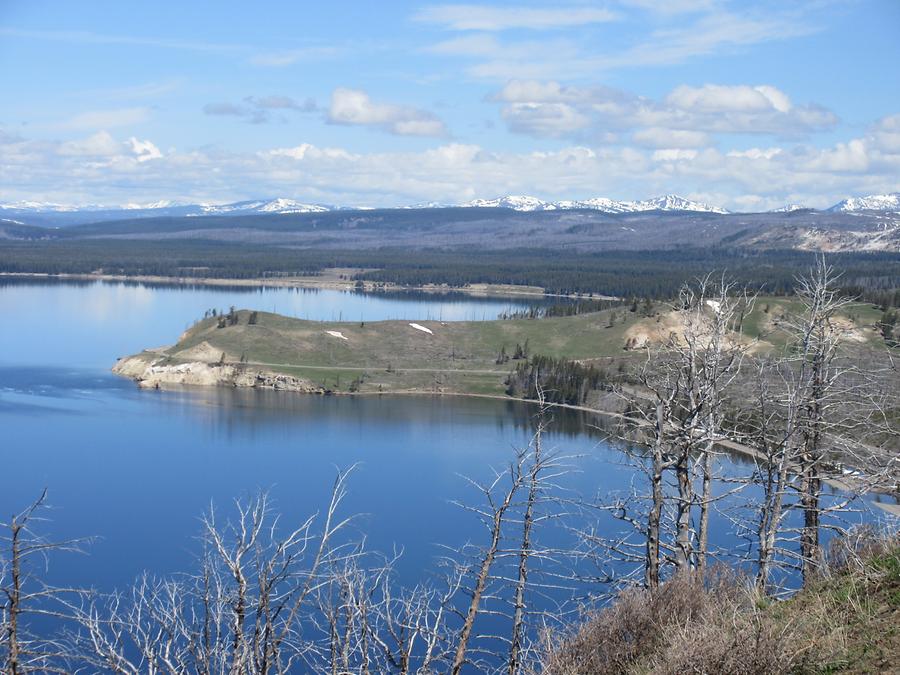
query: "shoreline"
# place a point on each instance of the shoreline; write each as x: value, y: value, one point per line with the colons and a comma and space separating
x: 231, y: 377
x: 324, y: 282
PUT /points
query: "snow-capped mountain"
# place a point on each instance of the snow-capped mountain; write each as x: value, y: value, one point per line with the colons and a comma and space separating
x: 673, y: 203
x: 44, y: 213
x: 429, y: 205
x: 279, y: 205
x: 161, y: 204
x: 663, y: 203
x: 47, y: 207
x: 515, y: 202
x: 596, y: 204
x: 789, y: 208
x: 888, y: 202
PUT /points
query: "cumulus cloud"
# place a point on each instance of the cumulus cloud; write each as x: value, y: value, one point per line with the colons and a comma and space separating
x: 101, y: 144
x: 885, y: 134
x: 756, y: 153
x: 260, y: 110
x: 544, y: 119
x: 144, y: 150
x: 656, y: 137
x: 673, y: 155
x: 354, y: 107
x: 713, y: 98
x: 687, y: 115
x: 104, y: 150
x: 488, y: 18
x: 101, y: 168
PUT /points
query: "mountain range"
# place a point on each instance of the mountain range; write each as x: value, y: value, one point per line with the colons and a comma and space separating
x: 56, y: 215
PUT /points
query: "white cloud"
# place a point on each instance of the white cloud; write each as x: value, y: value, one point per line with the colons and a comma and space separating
x: 124, y: 172
x: 259, y: 110
x: 712, y: 30
x: 853, y: 156
x: 756, y: 153
x: 144, y: 150
x: 656, y: 137
x: 885, y: 134
x: 712, y: 98
x: 687, y: 114
x: 309, y: 151
x: 101, y: 144
x: 544, y: 119
x: 715, y: 31
x: 673, y: 155
x: 355, y: 108
x: 487, y: 18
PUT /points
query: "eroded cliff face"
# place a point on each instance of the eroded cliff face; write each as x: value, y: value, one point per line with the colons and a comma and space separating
x: 152, y: 372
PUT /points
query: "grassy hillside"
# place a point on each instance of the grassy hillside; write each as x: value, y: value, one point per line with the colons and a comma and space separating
x: 392, y: 355
x: 462, y: 357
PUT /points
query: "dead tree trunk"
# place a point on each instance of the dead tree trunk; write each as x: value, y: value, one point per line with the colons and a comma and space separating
x: 518, y: 624
x: 497, y: 519
x: 654, y: 516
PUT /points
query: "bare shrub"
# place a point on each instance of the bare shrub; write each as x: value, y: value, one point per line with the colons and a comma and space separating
x: 641, y: 623
x: 726, y: 637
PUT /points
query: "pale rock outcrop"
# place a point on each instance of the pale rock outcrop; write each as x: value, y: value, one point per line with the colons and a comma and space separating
x: 152, y: 372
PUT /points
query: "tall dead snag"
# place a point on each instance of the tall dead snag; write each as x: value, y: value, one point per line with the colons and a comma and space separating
x: 819, y: 340
x: 828, y: 412
x: 521, y: 582
x: 543, y: 467
x: 23, y: 597
x: 771, y: 432
x: 679, y: 407
x: 498, y: 497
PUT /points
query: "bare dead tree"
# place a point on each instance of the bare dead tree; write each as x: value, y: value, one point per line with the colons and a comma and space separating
x: 816, y: 409
x: 678, y: 407
x: 248, y: 610
x: 537, y: 570
x: 24, y: 597
x: 533, y: 485
x: 498, y: 498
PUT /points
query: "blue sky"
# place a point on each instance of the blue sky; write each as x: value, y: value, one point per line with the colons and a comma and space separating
x: 748, y: 105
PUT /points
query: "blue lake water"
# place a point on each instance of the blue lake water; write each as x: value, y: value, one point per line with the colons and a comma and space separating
x: 138, y: 468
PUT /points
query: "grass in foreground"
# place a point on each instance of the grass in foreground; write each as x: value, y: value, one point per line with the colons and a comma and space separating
x: 848, y: 622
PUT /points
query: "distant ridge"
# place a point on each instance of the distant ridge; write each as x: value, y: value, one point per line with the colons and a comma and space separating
x: 284, y: 205
x: 54, y: 214
x: 663, y: 203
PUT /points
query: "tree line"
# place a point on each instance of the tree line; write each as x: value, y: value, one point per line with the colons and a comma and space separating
x: 624, y: 274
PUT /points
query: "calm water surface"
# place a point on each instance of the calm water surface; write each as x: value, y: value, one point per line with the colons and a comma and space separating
x: 138, y: 468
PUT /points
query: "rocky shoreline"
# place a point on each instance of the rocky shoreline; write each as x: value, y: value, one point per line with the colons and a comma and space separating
x: 152, y: 372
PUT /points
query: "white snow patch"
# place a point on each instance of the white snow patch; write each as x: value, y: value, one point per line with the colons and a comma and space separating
x: 422, y: 328
x: 337, y: 334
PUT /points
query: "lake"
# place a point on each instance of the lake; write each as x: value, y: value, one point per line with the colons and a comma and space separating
x: 138, y: 468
